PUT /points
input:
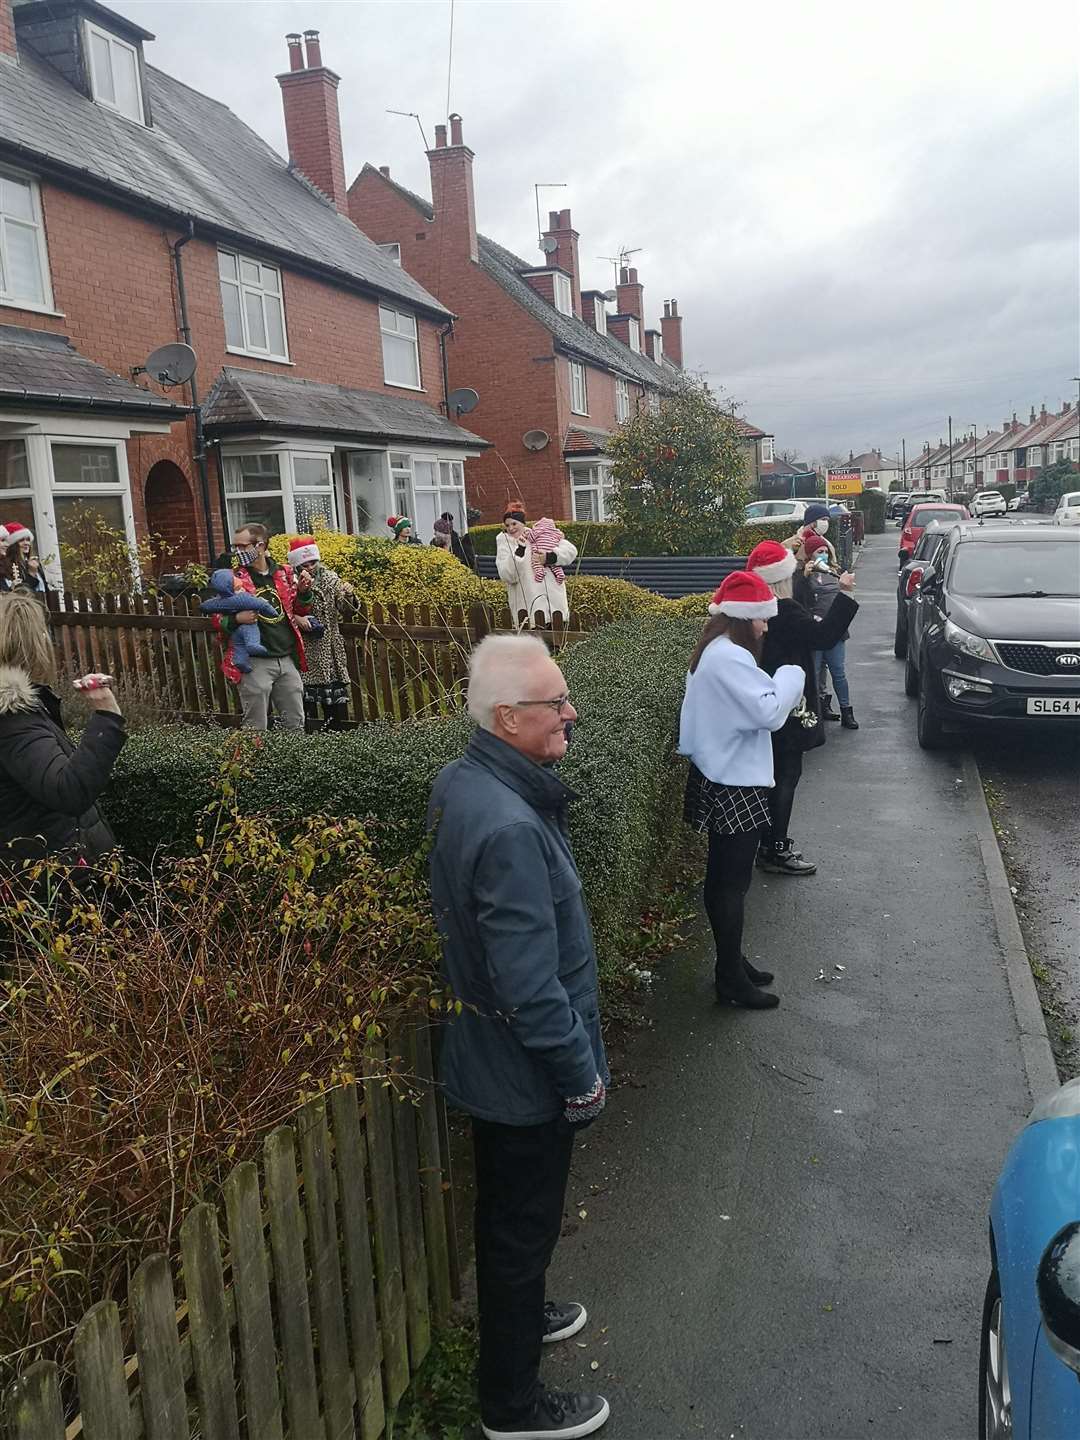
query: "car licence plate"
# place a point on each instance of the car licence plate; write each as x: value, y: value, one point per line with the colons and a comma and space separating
x: 1055, y: 705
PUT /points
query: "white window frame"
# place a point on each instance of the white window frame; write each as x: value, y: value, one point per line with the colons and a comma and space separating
x: 633, y: 334
x: 563, y: 293
x: 392, y: 251
x: 579, y: 388
x: 113, y: 41
x: 597, y: 482
x: 243, y: 289
x: 394, y: 332
x: 1034, y: 457
x: 767, y: 450
x: 1074, y: 449
x: 622, y: 400
x: 658, y: 348
x: 600, y: 314
x: 37, y: 223
x: 288, y: 488
x: 404, y: 484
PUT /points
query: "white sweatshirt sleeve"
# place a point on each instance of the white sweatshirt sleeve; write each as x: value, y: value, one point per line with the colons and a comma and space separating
x: 762, y: 702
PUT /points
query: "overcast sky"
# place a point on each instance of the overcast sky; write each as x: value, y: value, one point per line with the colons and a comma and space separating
x: 869, y: 219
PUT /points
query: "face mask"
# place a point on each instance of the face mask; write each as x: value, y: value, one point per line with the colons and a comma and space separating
x: 821, y: 562
x: 246, y: 556
x: 821, y: 526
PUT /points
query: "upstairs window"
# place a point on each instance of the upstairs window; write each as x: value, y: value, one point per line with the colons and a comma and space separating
x: 564, y: 296
x: 252, y: 304
x: 634, y: 333
x: 579, y: 395
x: 657, y: 347
x: 114, y: 73
x: 767, y: 451
x: 1034, y: 456
x: 600, y: 311
x: 622, y: 400
x: 24, y: 265
x: 401, y: 356
x: 392, y: 251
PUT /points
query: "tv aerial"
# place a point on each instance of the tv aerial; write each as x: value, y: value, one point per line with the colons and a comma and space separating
x: 169, y: 365
x: 619, y: 261
x: 535, y: 439
x: 460, y: 402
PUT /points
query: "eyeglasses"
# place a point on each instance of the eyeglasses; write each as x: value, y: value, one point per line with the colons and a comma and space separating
x: 559, y: 704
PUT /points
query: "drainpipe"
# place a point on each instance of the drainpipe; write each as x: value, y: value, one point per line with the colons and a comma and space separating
x: 200, y: 439
x: 446, y: 331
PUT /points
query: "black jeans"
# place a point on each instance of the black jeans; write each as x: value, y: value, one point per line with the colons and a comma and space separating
x: 787, y: 771
x: 727, y: 879
x: 521, y: 1175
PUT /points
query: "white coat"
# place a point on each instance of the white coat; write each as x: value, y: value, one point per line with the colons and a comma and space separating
x: 539, y: 599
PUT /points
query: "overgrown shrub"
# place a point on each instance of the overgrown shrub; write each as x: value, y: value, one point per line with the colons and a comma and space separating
x: 873, y: 504
x: 598, y: 538
x: 386, y: 573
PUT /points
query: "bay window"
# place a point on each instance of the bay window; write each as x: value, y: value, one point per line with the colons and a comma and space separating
x: 251, y: 301
x: 288, y: 491
x: 401, y: 354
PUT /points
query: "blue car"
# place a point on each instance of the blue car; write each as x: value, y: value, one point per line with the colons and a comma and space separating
x: 1029, y: 1365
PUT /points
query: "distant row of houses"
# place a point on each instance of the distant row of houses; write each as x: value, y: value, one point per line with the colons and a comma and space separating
x: 1014, y: 455
x: 362, y: 350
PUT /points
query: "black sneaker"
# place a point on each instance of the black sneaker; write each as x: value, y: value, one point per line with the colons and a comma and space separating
x: 562, y: 1321
x: 557, y: 1413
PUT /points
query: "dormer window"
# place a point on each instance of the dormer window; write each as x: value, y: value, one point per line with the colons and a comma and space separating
x: 634, y: 332
x: 114, y: 73
x: 564, y: 296
x: 600, y: 311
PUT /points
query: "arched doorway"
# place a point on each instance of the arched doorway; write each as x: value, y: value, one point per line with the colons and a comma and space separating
x: 170, y: 514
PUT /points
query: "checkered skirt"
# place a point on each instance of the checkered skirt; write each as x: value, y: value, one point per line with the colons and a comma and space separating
x: 724, y: 809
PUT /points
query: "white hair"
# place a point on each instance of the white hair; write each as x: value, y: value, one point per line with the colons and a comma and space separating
x: 781, y: 588
x: 495, y: 673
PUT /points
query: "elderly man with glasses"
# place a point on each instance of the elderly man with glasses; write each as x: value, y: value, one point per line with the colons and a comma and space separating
x: 524, y: 1058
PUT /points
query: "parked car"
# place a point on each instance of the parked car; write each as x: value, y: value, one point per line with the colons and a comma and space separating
x: 988, y: 502
x: 922, y: 497
x: 907, y: 582
x: 773, y: 512
x: 1068, y: 509
x: 995, y: 637
x: 919, y: 517
x: 897, y: 503
x: 1020, y: 501
x: 1029, y: 1356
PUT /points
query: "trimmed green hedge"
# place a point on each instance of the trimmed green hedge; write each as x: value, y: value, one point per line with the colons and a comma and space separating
x: 873, y: 504
x: 627, y: 682
x: 595, y: 537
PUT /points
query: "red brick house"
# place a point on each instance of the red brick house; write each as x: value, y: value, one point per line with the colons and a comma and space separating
x: 134, y: 212
x: 555, y: 370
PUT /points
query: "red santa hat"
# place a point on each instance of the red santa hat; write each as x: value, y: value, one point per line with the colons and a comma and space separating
x: 13, y: 532
x: 771, y: 561
x: 303, y: 550
x: 743, y: 596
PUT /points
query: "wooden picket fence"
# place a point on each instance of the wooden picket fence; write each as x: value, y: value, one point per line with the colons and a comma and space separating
x: 403, y: 660
x: 320, y: 1310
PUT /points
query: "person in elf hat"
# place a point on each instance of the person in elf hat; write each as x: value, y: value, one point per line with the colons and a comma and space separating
x: 401, y: 525
x: 794, y: 635
x: 326, y: 683
x: 816, y: 587
x: 535, y: 583
x: 815, y: 522
x: 730, y: 709
x: 19, y: 569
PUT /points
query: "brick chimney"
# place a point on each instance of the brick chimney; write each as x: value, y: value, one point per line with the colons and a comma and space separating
x: 452, y: 196
x: 671, y: 329
x: 630, y: 300
x: 8, y: 48
x: 312, y: 123
x: 566, y: 255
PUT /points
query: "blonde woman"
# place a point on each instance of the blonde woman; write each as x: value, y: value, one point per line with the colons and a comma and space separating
x: 49, y: 786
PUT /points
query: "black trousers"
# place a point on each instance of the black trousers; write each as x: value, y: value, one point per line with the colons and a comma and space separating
x: 521, y: 1175
x: 787, y: 772
x: 727, y: 879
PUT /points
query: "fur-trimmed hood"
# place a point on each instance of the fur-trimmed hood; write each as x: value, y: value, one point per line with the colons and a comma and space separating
x: 17, y: 691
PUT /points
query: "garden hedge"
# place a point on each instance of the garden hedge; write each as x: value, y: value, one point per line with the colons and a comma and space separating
x: 627, y: 683
x: 596, y: 537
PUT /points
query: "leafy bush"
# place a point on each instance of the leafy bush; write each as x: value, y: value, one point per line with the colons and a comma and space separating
x: 386, y: 573
x: 98, y: 559
x: 1054, y: 481
x: 596, y: 538
x: 873, y: 504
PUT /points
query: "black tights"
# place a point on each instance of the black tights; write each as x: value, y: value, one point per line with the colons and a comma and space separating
x: 727, y: 879
x: 787, y: 770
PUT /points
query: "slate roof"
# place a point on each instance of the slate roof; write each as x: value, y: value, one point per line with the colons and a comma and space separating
x: 570, y: 331
x: 872, y: 460
x: 584, y: 440
x: 44, y: 368
x: 199, y: 160
x: 244, y: 399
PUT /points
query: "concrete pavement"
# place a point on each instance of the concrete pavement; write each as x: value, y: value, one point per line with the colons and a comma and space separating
x: 784, y: 1228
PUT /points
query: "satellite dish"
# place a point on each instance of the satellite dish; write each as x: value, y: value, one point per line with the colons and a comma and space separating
x: 535, y: 439
x: 611, y: 296
x: 548, y: 244
x: 460, y: 402
x: 171, y: 364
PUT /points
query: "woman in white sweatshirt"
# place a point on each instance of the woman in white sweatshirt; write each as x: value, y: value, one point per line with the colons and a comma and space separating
x: 729, y: 711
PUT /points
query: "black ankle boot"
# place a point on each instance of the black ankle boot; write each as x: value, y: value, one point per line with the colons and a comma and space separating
x: 783, y: 859
x: 756, y: 976
x: 827, y: 712
x: 737, y: 990
x: 847, y: 718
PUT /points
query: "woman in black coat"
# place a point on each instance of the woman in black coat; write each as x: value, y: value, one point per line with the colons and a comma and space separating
x: 48, y: 785
x: 793, y: 637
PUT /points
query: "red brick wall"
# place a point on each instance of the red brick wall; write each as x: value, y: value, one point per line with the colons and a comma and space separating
x: 7, y: 29
x: 496, y: 348
x: 113, y: 281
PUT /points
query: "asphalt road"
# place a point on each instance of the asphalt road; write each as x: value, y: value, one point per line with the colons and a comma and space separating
x: 779, y: 1225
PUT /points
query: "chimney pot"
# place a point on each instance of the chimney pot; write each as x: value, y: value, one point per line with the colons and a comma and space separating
x: 624, y: 276
x: 455, y: 130
x: 633, y: 276
x: 385, y: 170
x: 452, y: 196
x: 553, y: 219
x: 671, y: 333
x: 565, y: 253
x: 314, y: 50
x: 440, y: 137
x: 564, y: 220
x: 296, y: 55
